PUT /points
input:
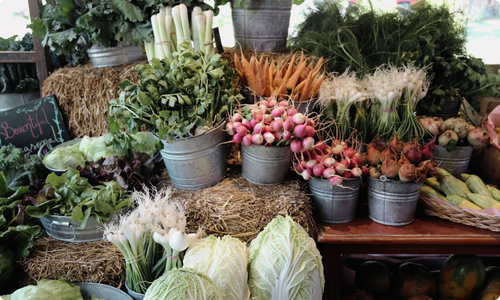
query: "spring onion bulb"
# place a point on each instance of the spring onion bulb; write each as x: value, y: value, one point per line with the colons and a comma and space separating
x: 192, y: 238
x: 209, y: 48
x: 196, y: 41
x: 158, y: 48
x: 200, y: 24
x: 162, y: 10
x: 165, y: 38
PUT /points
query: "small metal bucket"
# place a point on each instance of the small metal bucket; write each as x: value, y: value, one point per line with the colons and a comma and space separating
x: 456, y: 161
x: 101, y: 291
x: 196, y: 162
x: 335, y: 204
x: 392, y: 202
x: 134, y: 295
x: 265, y: 165
x: 63, y: 228
x: 113, y: 56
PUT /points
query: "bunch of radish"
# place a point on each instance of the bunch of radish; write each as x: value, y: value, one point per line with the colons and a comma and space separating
x: 333, y: 161
x: 271, y: 123
x: 407, y: 162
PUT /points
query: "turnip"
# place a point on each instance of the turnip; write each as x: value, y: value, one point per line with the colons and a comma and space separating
x: 372, y: 156
x: 436, y: 126
x: 458, y: 125
x: 236, y: 117
x: 356, y: 172
x: 335, y: 180
x: 407, y: 173
x: 269, y: 137
x: 287, y: 135
x: 339, y: 168
x: 307, y: 174
x: 247, y: 140
x: 374, y: 173
x: 237, y: 138
x: 328, y: 173
x: 478, y: 137
x: 307, y: 143
x: 329, y: 162
x: 310, y: 164
x: 447, y: 136
x: 390, y: 167
x: 257, y: 139
x: 296, y: 146
x: 318, y: 169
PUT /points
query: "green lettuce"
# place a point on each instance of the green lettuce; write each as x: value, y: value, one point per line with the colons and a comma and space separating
x: 285, y: 263
x: 224, y: 261
x: 47, y: 289
x: 63, y: 157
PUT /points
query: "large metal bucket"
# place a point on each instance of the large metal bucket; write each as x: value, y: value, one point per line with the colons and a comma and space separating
x: 456, y: 161
x: 392, y: 202
x: 335, y: 204
x: 134, y: 295
x: 196, y: 162
x: 63, y: 228
x: 101, y: 291
x: 265, y: 165
x: 113, y: 56
x: 262, y: 25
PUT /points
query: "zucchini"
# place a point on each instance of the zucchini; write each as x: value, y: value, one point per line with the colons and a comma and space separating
x: 433, y: 183
x: 494, y: 192
x: 484, y: 201
x: 428, y: 192
x: 477, y: 186
x: 441, y: 173
x: 465, y: 176
x: 453, y: 186
x: 461, y: 202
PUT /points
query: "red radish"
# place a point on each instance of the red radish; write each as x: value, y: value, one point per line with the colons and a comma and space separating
x: 257, y: 139
x: 320, y: 146
x: 310, y: 164
x: 307, y: 143
x: 247, y: 124
x: 374, y: 173
x: 269, y: 128
x: 276, y: 113
x: 329, y: 162
x: 237, y: 138
x: 339, y: 168
x: 236, y: 125
x: 307, y: 174
x: 390, y: 167
x: 412, y: 152
x: 428, y: 151
x: 259, y: 128
x: 335, y: 180
x: 365, y: 170
x: 259, y: 117
x: 253, y: 122
x: 407, y: 173
x: 288, y: 124
x: 309, y: 122
x: 247, y: 140
x: 264, y: 103
x: 346, y: 163
x: 296, y: 146
x: 278, y: 125
x: 356, y: 172
x: 298, y: 119
x: 292, y: 111
x: 277, y: 136
x: 283, y: 104
x: 357, y: 160
x: 300, y: 166
x: 268, y: 119
x: 270, y: 102
x: 300, y: 131
x: 310, y: 131
x: 229, y: 128
x: 269, y: 137
x: 318, y: 170
x: 337, y: 149
x: 241, y: 130
x: 372, y: 156
x: 347, y: 174
x: 287, y: 135
x: 328, y: 173
x: 236, y: 117
x: 349, y: 152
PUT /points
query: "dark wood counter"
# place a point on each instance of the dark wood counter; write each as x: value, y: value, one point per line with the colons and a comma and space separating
x: 426, y: 235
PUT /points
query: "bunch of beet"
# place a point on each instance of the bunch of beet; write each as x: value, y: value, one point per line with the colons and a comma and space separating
x: 333, y: 161
x: 271, y: 123
x: 407, y: 162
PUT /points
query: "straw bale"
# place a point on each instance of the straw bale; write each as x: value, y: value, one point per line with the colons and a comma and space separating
x: 99, y: 262
x: 83, y: 93
x: 242, y: 209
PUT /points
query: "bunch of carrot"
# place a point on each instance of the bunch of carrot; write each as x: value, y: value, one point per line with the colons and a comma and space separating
x: 280, y: 80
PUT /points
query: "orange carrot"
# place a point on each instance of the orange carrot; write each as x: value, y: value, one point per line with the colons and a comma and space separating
x: 253, y: 65
x: 267, y: 85
x: 315, y: 87
x: 304, y: 96
x: 239, y: 70
x: 249, y: 74
x: 290, y: 84
x: 259, y: 76
x: 290, y: 68
x: 318, y: 65
x: 278, y: 80
x: 300, y: 86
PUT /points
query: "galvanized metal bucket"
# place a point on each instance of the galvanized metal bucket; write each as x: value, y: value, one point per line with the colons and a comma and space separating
x: 63, y: 228
x: 456, y: 161
x: 101, y: 291
x: 134, y: 295
x: 262, y: 25
x: 335, y: 204
x: 392, y: 202
x: 196, y: 162
x: 265, y: 165
x: 113, y: 56
x: 305, y: 107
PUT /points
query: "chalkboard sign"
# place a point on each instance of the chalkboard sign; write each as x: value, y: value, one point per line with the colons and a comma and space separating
x: 33, y: 124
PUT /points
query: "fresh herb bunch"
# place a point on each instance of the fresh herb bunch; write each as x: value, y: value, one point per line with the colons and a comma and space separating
x: 19, y: 169
x: 176, y: 96
x: 70, y: 27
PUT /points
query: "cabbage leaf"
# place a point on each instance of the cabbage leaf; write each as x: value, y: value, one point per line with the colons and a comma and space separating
x: 285, y: 263
x: 63, y: 157
x: 47, y: 289
x: 225, y: 261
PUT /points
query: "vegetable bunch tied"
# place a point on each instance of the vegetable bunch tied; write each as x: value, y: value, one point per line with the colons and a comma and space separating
x: 178, y: 98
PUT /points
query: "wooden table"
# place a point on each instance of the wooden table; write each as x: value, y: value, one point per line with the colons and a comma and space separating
x: 426, y: 235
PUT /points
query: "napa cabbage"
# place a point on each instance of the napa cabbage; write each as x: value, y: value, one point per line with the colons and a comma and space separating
x: 98, y: 149
x: 183, y: 284
x: 47, y: 289
x: 284, y: 263
x: 224, y: 261
x: 62, y: 157
x: 85, y: 145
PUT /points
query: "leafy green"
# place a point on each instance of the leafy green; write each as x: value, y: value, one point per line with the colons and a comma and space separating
x: 62, y: 157
x: 47, y: 289
x: 19, y: 169
x: 176, y: 96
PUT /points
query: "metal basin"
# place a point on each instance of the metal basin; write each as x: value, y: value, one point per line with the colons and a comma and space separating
x: 103, y: 291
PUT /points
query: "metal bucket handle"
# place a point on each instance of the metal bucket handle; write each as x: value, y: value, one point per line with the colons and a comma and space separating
x: 384, y: 178
x: 63, y: 224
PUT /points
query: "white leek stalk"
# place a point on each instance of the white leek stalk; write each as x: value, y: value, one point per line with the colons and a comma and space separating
x: 209, y: 47
x: 165, y: 37
x: 200, y: 24
x: 158, y: 48
x: 185, y: 22
x: 196, y: 40
x: 162, y: 10
x: 176, y: 15
x: 150, y: 49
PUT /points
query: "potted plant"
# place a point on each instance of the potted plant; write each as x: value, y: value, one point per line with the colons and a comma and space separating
x: 70, y: 28
x: 184, y: 101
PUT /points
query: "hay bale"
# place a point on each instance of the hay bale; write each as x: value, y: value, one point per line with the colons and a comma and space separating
x: 99, y: 262
x: 83, y: 93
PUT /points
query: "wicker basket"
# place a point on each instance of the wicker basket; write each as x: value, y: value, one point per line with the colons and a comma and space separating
x: 462, y: 216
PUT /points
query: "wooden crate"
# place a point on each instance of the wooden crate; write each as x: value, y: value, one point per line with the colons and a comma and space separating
x: 490, y: 164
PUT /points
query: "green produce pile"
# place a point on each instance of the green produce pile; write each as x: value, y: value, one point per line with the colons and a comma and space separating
x: 19, y: 169
x: 49, y: 289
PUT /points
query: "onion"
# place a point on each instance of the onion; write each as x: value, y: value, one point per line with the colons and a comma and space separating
x: 390, y: 167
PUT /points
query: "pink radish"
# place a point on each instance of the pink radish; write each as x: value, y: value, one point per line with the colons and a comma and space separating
x: 310, y: 164
x: 300, y: 166
x: 241, y: 130
x: 258, y: 117
x: 292, y: 111
x: 259, y: 128
x: 268, y: 118
x: 296, y: 146
x: 310, y: 122
x: 337, y: 149
x: 346, y: 163
x: 264, y: 103
x: 269, y: 128
x: 318, y: 170
x: 270, y: 102
x: 300, y: 131
x: 365, y: 170
x: 288, y: 124
x: 339, y: 168
x: 320, y: 146
x: 253, y: 122
x: 283, y: 104
x: 307, y: 143
x: 347, y: 174
x: 257, y: 139
x: 306, y: 174
x: 276, y: 113
x: 237, y: 138
x: 328, y: 173
x: 278, y: 124
x: 349, y: 152
x: 229, y: 128
x: 356, y: 161
x: 287, y: 135
x: 335, y: 180
x: 310, y: 131
x: 247, y: 124
x: 236, y: 117
x: 269, y: 137
x: 329, y: 162
x: 356, y: 172
x: 247, y: 140
x: 277, y: 136
x: 298, y: 119
x: 236, y: 125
